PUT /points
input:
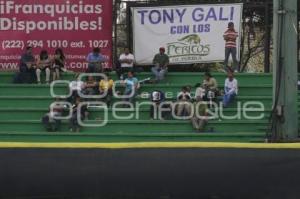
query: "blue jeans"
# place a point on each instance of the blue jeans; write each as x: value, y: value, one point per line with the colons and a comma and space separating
x: 94, y: 68
x: 130, y: 99
x: 232, y: 52
x: 228, y: 98
x: 159, y: 73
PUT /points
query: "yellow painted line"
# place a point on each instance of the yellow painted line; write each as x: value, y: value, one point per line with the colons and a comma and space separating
x: 140, y: 145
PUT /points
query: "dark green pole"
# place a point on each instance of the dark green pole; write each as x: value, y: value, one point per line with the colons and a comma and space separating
x: 285, y: 68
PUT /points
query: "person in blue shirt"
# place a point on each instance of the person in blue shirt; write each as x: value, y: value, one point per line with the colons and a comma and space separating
x: 27, y: 61
x: 131, y: 84
x: 95, y: 61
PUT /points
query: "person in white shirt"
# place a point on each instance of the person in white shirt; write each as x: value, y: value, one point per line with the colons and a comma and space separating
x: 127, y: 61
x: 76, y: 86
x: 230, y: 89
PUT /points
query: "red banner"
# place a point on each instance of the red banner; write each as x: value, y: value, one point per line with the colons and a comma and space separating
x: 76, y: 26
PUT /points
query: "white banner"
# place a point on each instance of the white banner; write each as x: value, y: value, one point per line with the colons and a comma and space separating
x: 189, y: 33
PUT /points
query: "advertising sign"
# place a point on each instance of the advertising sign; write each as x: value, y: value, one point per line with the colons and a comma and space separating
x: 76, y: 26
x: 189, y: 33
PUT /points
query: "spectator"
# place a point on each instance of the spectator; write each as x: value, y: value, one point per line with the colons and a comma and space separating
x: 161, y: 62
x: 157, y: 97
x: 50, y: 121
x: 58, y: 63
x: 199, y: 119
x: 184, y: 98
x: 230, y: 37
x: 95, y: 61
x: 230, y: 89
x: 106, y: 89
x: 27, y: 68
x: 127, y: 62
x: 200, y: 91
x: 90, y: 86
x: 44, y: 64
x: 131, y: 84
x: 76, y: 86
x: 210, y: 86
x: 83, y: 114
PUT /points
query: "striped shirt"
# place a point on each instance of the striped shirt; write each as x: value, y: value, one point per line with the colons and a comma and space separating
x: 230, y: 38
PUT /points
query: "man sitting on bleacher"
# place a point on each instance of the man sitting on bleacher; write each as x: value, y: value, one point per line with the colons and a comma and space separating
x: 95, y: 61
x: 50, y: 121
x: 156, y: 97
x: 90, y: 86
x: 76, y: 115
x: 126, y: 62
x: 161, y: 62
x: 132, y: 85
x: 184, y: 102
x: 76, y: 86
x: 199, y: 119
x: 230, y: 89
x: 106, y: 89
x: 210, y: 86
x: 27, y: 68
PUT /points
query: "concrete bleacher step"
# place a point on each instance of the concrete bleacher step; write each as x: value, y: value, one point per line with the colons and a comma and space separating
x: 147, y: 126
x: 44, y: 102
x: 141, y: 114
x: 129, y: 137
x: 44, y: 90
x: 174, y: 77
x: 22, y: 106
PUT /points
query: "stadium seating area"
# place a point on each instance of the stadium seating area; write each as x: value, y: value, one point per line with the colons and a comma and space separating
x: 22, y: 106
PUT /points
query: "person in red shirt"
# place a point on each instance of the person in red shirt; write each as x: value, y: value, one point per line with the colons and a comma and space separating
x: 230, y: 37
